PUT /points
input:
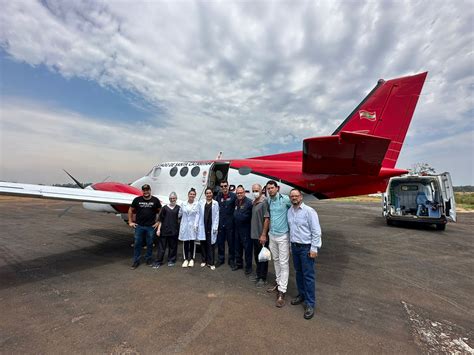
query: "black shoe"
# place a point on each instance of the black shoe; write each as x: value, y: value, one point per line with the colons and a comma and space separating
x: 232, y: 265
x: 248, y: 272
x: 219, y: 264
x: 298, y: 300
x: 149, y: 262
x: 236, y: 267
x: 135, y: 265
x: 308, y: 312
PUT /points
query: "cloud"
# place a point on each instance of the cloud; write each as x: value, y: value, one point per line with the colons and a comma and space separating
x: 240, y: 76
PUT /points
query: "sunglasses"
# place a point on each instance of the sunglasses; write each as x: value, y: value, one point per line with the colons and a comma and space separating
x: 224, y: 186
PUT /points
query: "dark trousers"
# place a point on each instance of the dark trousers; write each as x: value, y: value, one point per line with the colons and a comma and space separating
x: 262, y: 267
x: 305, y: 272
x: 226, y: 233
x: 189, y: 249
x: 172, y: 243
x: 141, y: 233
x: 243, y: 242
x: 207, y: 251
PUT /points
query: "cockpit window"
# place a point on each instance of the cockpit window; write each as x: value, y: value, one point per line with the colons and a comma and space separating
x: 183, y: 171
x: 195, y: 171
x: 173, y: 171
x: 156, y: 172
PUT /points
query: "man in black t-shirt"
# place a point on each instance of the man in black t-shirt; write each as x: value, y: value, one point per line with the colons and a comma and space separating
x: 146, y: 208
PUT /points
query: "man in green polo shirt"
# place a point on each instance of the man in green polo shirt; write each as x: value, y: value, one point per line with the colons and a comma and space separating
x: 279, y: 239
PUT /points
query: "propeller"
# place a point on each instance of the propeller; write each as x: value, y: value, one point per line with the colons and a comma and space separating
x: 80, y: 185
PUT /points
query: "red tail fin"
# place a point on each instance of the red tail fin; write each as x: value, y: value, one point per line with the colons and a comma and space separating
x: 387, y: 112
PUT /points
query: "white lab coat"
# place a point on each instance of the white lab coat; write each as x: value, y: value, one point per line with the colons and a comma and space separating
x: 188, y: 213
x: 199, y: 222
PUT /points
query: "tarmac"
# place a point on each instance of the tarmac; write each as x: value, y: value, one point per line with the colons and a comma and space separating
x: 66, y: 287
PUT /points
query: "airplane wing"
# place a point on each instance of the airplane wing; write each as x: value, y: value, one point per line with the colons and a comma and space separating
x: 66, y: 193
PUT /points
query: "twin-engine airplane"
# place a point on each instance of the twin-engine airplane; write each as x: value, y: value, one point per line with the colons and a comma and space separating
x: 358, y: 158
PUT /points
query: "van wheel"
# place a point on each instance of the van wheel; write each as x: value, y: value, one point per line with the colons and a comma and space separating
x: 389, y: 222
x: 441, y: 227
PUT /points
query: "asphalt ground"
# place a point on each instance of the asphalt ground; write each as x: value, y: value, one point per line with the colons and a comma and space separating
x: 66, y: 286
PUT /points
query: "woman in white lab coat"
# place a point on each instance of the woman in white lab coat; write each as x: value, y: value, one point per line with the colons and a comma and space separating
x: 207, y: 223
x: 187, y: 233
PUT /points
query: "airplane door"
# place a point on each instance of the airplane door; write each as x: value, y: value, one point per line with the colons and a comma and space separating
x: 219, y: 171
x: 448, y: 196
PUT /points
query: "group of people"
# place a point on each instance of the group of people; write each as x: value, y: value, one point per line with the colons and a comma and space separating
x: 279, y: 222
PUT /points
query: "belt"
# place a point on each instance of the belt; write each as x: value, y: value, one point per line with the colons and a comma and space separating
x: 299, y: 245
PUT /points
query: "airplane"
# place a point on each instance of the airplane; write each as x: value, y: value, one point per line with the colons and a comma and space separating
x: 358, y: 158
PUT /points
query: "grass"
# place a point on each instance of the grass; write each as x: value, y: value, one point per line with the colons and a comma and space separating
x: 465, y: 200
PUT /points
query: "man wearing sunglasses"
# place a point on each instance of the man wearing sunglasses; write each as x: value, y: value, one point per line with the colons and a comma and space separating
x: 226, y: 202
x: 145, y: 207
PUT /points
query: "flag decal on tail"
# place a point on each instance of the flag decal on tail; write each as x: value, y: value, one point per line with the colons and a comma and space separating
x: 367, y: 115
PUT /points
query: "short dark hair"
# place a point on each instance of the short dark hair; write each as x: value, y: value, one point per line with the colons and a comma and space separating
x: 146, y: 187
x: 224, y: 182
x: 272, y: 182
x: 295, y: 190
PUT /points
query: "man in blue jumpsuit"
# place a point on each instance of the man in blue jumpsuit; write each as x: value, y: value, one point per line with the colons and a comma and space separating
x: 242, y: 218
x: 226, y: 202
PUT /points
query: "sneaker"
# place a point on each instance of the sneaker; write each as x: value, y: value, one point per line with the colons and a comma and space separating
x: 149, y: 262
x: 252, y: 278
x: 171, y: 264
x: 191, y: 263
x: 185, y: 263
x: 203, y: 264
x: 156, y: 265
x: 135, y: 265
x: 212, y: 267
x: 261, y: 283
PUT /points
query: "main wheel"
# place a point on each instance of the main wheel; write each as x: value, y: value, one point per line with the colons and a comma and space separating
x: 389, y: 222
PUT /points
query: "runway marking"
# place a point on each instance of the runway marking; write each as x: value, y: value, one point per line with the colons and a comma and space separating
x: 436, y: 337
x: 413, y: 283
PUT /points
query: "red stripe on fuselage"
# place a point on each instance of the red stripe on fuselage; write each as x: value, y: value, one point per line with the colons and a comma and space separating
x: 117, y: 187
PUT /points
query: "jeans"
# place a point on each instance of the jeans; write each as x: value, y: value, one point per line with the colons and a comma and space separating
x: 262, y: 267
x: 280, y: 248
x: 226, y: 233
x: 142, y: 232
x: 305, y: 272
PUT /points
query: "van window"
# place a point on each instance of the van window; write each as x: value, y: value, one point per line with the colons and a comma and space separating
x: 173, y: 171
x: 409, y: 187
x: 183, y: 171
x: 195, y: 171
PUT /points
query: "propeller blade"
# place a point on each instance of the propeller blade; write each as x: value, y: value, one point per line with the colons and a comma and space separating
x: 75, y: 180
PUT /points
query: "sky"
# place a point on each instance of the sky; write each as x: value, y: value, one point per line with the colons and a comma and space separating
x: 111, y: 88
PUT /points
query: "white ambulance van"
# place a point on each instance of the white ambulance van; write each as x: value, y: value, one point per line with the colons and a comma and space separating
x: 421, y: 199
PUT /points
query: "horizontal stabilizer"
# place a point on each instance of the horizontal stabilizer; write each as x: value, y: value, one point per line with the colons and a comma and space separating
x: 344, y: 154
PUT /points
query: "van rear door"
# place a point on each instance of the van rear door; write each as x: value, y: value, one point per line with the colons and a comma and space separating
x: 448, y: 196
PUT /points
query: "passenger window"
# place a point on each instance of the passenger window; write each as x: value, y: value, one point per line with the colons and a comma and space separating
x: 173, y: 171
x: 195, y: 171
x: 183, y: 171
x: 409, y: 187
